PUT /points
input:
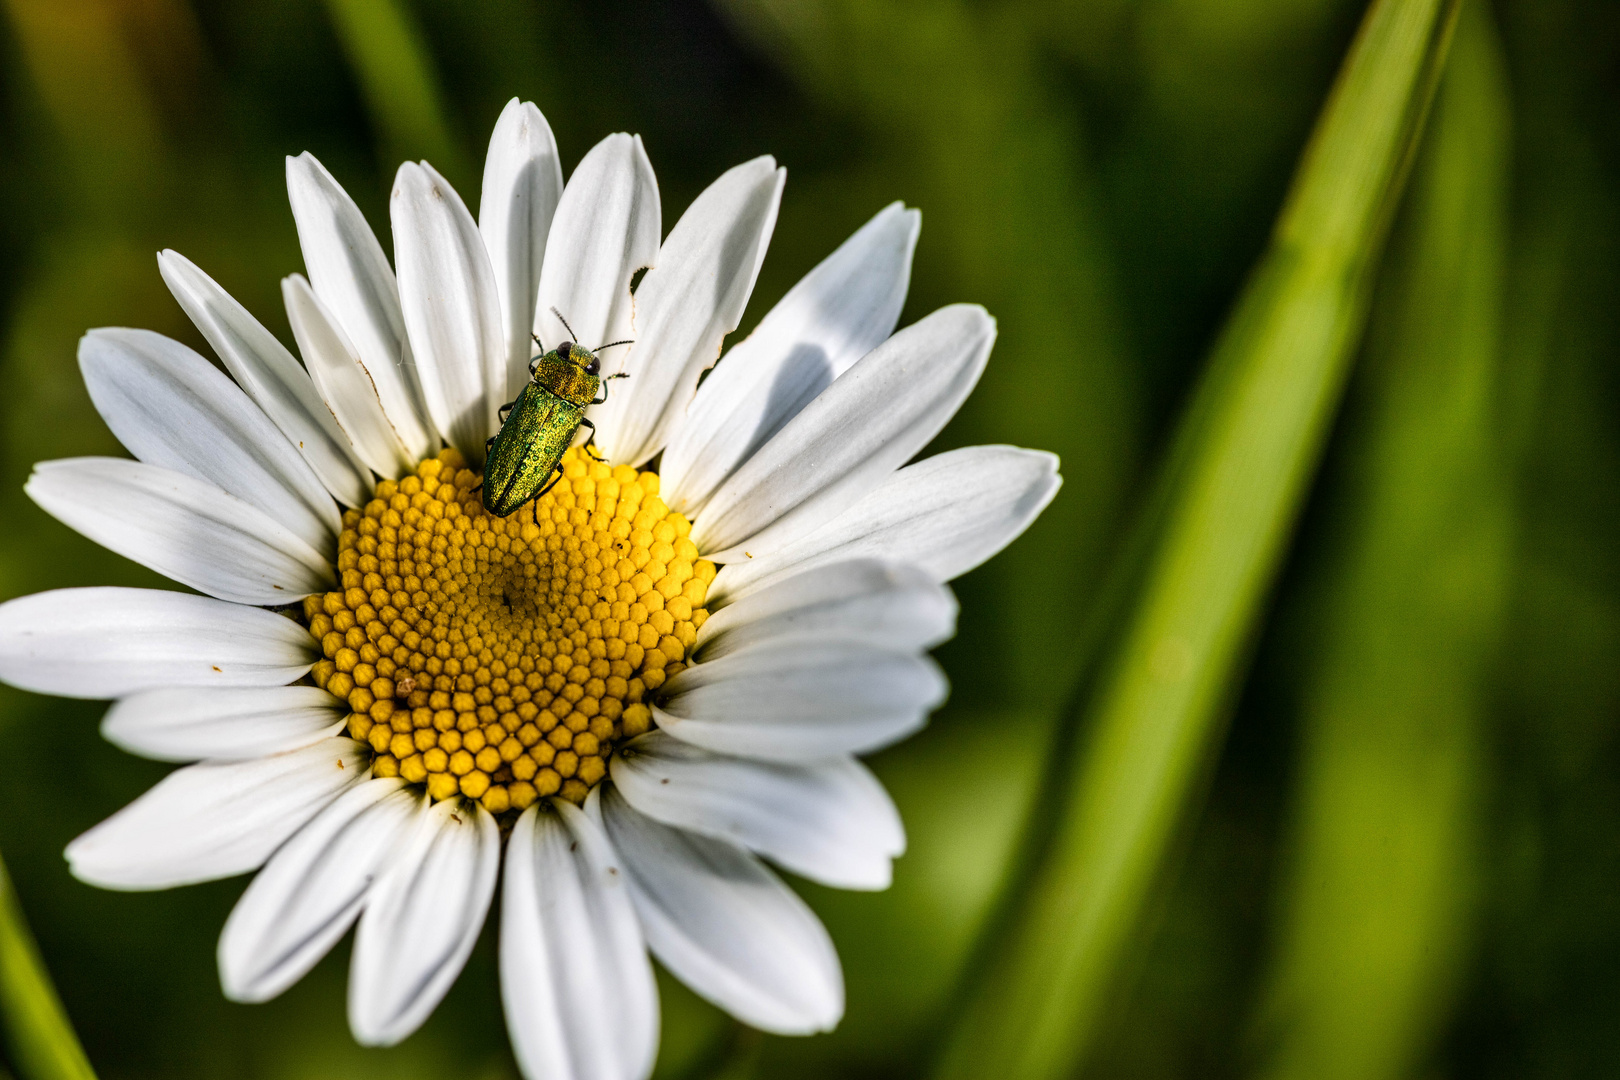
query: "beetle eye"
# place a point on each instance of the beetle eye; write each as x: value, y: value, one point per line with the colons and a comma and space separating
x: 562, y: 350
x: 594, y: 367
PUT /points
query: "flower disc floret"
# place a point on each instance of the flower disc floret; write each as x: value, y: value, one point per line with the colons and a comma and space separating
x: 503, y: 658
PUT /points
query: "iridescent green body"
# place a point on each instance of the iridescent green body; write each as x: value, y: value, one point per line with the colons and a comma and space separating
x: 540, y: 426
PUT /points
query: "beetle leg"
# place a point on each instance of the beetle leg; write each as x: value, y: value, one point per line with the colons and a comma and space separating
x: 620, y: 375
x: 503, y: 412
x: 589, y: 443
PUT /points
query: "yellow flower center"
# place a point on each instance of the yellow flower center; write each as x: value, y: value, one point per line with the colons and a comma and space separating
x: 504, y: 658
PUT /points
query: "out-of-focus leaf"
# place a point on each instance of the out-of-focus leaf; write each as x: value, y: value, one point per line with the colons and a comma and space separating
x: 99, y: 111
x: 1380, y: 899
x: 1242, y: 462
x: 79, y: 59
x: 38, y: 1033
x: 1543, y: 994
x: 399, y: 83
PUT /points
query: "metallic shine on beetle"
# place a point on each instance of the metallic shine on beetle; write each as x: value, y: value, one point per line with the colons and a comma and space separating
x: 525, y: 456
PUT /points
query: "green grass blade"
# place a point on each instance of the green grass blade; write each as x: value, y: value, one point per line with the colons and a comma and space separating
x: 1382, y: 877
x: 1381, y: 887
x: 41, y: 1040
x: 1236, y: 479
x: 399, y: 84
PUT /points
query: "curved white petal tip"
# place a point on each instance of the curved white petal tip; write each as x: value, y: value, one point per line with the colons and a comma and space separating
x: 836, y: 314
x: 186, y: 529
x: 687, y: 304
x: 885, y: 605
x: 851, y: 438
x: 194, y: 724
x: 264, y: 368
x: 801, y: 700
x: 215, y: 820
x: 451, y: 306
x: 945, y: 515
x: 108, y: 642
x: 606, y: 228
x: 829, y: 821
x: 725, y: 925
x: 313, y: 889
x: 522, y: 183
x: 421, y: 922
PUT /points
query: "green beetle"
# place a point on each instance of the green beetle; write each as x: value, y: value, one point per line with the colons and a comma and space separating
x: 540, y: 425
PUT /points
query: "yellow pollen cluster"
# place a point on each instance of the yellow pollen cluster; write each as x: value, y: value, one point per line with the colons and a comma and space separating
x: 503, y: 658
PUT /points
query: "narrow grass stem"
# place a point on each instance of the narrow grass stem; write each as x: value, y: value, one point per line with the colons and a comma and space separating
x: 1377, y: 911
x: 42, y: 1042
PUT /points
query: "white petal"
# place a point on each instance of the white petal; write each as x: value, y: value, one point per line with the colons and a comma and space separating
x: 578, y: 989
x: 606, y: 228
x: 945, y: 514
x: 312, y: 890
x: 726, y: 926
x: 350, y: 273
x: 522, y: 183
x: 886, y: 605
x: 264, y: 368
x: 216, y: 819
x: 452, y: 309
x: 686, y: 305
x: 108, y: 642
x: 183, y: 528
x: 422, y: 921
x: 829, y: 821
x: 174, y: 409
x: 801, y: 700
x: 191, y: 724
x: 343, y: 380
x: 869, y: 422
x: 837, y: 313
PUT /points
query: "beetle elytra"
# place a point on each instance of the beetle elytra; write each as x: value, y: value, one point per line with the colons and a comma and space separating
x: 525, y: 456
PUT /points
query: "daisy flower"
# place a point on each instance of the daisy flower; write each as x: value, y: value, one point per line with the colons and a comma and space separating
x: 616, y: 704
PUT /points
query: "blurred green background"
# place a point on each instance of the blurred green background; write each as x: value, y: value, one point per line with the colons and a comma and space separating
x: 1400, y: 855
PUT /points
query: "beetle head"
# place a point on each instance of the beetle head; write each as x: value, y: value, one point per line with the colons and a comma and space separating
x: 580, y: 356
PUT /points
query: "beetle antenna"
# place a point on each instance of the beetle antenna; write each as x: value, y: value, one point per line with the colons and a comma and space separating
x: 609, y: 345
x: 564, y: 321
